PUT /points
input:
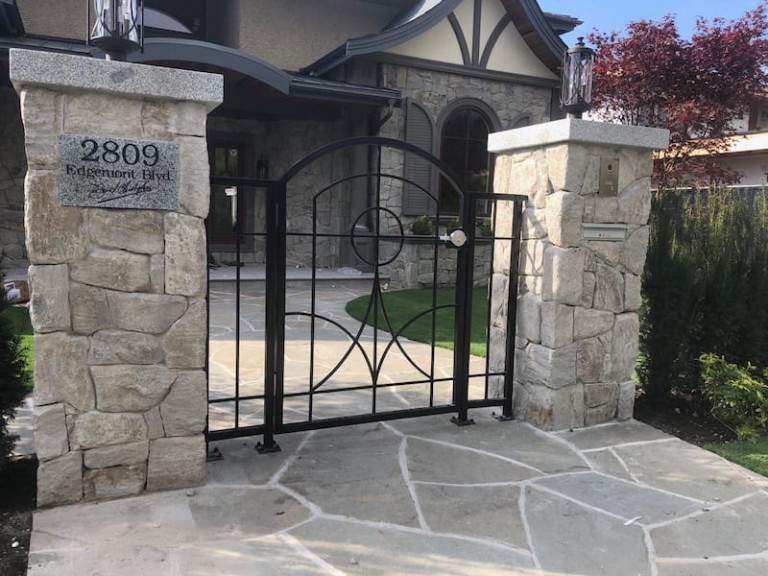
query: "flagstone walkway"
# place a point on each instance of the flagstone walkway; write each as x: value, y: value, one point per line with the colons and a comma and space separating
x: 424, y: 497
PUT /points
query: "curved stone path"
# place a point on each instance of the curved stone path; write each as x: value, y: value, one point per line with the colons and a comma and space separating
x: 425, y: 497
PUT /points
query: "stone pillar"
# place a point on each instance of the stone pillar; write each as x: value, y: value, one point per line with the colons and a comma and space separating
x: 577, y: 309
x: 118, y: 293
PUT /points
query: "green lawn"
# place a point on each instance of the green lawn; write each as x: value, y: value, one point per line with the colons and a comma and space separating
x: 19, y: 318
x: 402, y: 305
x: 752, y: 455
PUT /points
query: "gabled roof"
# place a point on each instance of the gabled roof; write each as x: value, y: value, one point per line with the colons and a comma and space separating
x: 531, y: 22
x: 420, y: 18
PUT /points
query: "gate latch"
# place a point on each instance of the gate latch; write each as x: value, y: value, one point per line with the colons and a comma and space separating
x: 457, y: 238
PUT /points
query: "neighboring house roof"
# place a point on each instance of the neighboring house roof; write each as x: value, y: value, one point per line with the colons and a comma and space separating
x: 562, y: 23
x: 526, y: 15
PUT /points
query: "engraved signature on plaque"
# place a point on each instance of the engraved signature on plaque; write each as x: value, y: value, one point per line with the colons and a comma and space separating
x: 118, y: 173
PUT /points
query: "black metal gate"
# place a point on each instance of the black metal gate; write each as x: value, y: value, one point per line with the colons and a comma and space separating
x: 285, y: 356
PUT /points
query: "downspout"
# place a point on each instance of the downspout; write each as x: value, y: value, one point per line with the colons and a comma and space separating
x: 375, y: 124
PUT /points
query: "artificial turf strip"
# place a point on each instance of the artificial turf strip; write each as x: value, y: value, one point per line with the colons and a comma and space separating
x: 22, y: 326
x: 752, y: 455
x: 402, y: 305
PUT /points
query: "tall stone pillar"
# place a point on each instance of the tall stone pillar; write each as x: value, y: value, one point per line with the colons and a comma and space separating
x: 584, y: 242
x: 115, y: 199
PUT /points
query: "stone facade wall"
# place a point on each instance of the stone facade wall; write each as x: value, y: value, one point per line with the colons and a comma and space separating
x: 118, y: 296
x: 577, y: 310
x: 13, y: 167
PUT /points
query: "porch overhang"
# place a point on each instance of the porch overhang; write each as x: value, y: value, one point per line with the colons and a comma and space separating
x: 279, y: 93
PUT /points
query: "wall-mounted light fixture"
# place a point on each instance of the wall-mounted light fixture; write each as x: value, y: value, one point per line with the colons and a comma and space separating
x: 117, y: 27
x: 578, y: 65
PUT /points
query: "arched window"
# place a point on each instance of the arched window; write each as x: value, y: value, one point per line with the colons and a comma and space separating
x: 464, y: 147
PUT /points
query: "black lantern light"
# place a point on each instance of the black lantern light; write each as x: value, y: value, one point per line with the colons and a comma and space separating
x: 118, y: 28
x: 578, y: 64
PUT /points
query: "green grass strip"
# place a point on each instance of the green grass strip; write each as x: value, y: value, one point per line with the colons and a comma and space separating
x: 403, y: 305
x: 751, y: 455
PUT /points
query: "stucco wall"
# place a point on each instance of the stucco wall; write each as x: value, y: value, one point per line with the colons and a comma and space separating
x: 69, y: 20
x: 294, y: 33
x: 13, y: 167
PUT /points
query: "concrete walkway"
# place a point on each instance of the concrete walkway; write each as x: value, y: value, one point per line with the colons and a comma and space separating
x: 425, y: 497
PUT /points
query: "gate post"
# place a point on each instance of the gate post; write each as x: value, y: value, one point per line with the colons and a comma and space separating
x: 116, y: 194
x: 584, y: 242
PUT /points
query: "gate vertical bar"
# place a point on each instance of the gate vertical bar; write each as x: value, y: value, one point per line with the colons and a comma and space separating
x: 514, y: 269
x: 275, y: 309
x: 463, y: 322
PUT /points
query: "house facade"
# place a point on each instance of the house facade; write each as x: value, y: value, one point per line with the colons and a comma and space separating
x: 300, y: 74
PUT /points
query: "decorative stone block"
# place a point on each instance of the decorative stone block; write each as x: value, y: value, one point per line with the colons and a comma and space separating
x: 60, y: 481
x: 120, y: 455
x: 626, y: 403
x: 113, y: 269
x: 563, y: 269
x: 609, y: 289
x: 194, y: 176
x: 600, y: 394
x: 600, y: 414
x: 150, y: 313
x: 633, y: 298
x: 89, y: 308
x: 529, y: 317
x: 191, y: 120
x: 49, y: 308
x: 588, y: 323
x: 556, y: 324
x: 606, y: 210
x: 624, y: 345
x: 51, y: 439
x: 588, y: 284
x: 551, y: 368
x: 590, y: 359
x: 534, y: 225
x: 118, y: 347
x: 61, y: 371
x: 116, y: 116
x: 185, y: 255
x: 635, y: 202
x: 154, y: 422
x: 556, y: 409
x: 130, y: 388
x: 607, y: 253
x: 41, y: 112
x: 532, y: 262
x: 563, y: 215
x: 635, y: 250
x: 97, y: 429
x: 140, y: 231
x: 176, y: 463
x: 116, y: 482
x: 157, y: 273
x: 185, y: 408
x: 55, y: 234
x: 185, y: 342
x: 159, y: 119
x: 566, y: 167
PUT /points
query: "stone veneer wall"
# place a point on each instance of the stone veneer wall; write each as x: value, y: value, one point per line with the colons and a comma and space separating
x: 577, y: 312
x: 13, y: 166
x: 118, y: 296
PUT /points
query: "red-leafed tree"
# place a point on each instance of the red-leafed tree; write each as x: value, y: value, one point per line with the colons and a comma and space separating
x: 696, y: 88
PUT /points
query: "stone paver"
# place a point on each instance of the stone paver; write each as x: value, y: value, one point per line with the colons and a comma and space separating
x: 425, y: 497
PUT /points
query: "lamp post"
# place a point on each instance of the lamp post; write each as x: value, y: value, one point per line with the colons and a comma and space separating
x: 118, y: 29
x: 578, y: 65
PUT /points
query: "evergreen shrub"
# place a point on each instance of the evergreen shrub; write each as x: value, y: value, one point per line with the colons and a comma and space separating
x: 705, y: 286
x: 13, y: 378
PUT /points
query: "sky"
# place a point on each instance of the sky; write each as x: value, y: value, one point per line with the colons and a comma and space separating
x: 614, y: 15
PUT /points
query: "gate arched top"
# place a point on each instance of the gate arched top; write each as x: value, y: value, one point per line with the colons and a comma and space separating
x: 446, y: 171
